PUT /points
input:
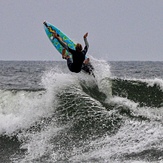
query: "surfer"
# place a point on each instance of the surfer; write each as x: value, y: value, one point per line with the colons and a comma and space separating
x: 86, y: 66
x: 78, y: 55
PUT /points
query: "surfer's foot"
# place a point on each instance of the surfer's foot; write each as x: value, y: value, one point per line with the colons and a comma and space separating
x: 64, y: 53
x: 65, y: 57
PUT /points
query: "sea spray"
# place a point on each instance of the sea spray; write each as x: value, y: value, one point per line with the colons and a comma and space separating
x: 102, y: 76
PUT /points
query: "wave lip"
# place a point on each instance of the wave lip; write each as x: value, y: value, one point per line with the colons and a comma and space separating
x: 145, y: 92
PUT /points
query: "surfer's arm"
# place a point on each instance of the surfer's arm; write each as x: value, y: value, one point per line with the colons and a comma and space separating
x: 85, y: 40
x: 86, y: 44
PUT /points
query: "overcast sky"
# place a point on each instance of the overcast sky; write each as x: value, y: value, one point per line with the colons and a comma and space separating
x: 119, y: 30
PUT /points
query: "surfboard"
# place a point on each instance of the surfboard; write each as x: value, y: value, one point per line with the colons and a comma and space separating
x: 49, y: 29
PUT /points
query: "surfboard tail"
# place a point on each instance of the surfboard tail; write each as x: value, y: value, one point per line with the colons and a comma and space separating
x: 45, y: 24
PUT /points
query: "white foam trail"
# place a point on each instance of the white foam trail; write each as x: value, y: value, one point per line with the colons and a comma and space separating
x: 39, y: 144
x: 102, y: 75
x: 133, y: 137
x: 55, y: 81
x: 18, y: 110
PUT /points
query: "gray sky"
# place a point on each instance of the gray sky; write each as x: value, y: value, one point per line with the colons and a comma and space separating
x: 118, y: 29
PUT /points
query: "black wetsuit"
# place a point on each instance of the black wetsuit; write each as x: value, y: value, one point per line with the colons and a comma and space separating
x: 88, y: 68
x: 75, y: 64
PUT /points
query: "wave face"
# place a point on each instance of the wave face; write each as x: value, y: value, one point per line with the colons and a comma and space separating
x: 48, y: 114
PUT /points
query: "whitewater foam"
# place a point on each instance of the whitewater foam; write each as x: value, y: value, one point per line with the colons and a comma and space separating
x: 20, y: 109
x: 103, y: 75
x: 30, y: 117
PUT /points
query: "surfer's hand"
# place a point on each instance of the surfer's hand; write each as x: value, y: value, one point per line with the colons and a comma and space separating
x: 85, y: 35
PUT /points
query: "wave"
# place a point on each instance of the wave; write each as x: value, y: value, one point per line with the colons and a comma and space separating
x: 76, y: 118
x: 145, y: 92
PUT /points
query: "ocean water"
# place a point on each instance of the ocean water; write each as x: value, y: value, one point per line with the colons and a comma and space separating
x: 48, y: 114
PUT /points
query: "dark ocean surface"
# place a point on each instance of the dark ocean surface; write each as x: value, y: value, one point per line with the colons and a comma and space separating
x: 48, y: 114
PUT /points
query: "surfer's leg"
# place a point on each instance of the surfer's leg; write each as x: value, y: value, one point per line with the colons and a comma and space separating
x: 69, y: 64
x: 86, y: 61
x: 64, y: 56
x: 64, y: 53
